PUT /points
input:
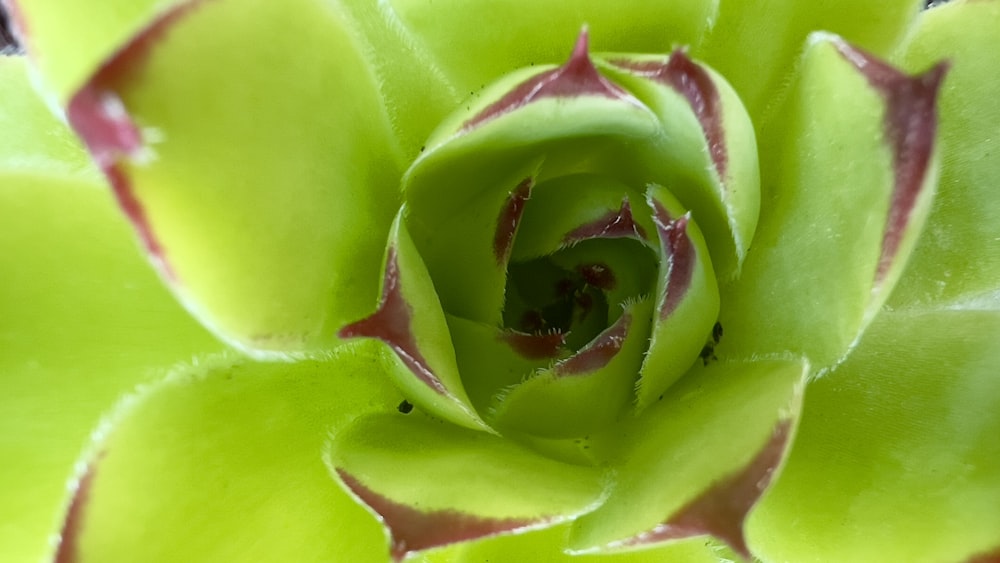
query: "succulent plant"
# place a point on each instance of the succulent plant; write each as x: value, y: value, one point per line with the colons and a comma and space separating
x: 687, y: 280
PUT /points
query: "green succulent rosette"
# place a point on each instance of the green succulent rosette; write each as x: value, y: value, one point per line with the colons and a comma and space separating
x: 507, y: 281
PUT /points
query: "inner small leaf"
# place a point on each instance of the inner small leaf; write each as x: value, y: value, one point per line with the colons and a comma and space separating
x: 578, y: 291
x: 544, y: 298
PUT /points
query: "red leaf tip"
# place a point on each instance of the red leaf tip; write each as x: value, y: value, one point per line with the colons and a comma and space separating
x: 910, y: 126
x: 613, y: 224
x: 392, y: 324
x: 576, y: 77
x: 721, y: 510
x: 509, y: 220
x: 598, y: 352
x: 694, y: 83
x: 535, y: 346
x: 412, y: 530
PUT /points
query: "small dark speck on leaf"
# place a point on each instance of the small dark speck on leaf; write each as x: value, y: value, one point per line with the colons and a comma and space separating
x: 405, y: 407
x: 708, y: 352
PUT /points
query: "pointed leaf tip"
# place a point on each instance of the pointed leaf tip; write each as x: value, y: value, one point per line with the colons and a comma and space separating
x: 433, y: 484
x: 678, y: 251
x: 410, y: 323
x: 693, y: 82
x: 97, y: 113
x: 392, y: 324
x: 100, y: 119
x: 411, y: 530
x: 717, y: 436
x: 599, y: 352
x: 722, y: 509
x: 577, y: 77
x: 910, y: 126
x: 614, y: 224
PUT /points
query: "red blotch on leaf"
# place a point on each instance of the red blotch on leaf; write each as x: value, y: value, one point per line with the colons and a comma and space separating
x: 133, y: 209
x: 692, y: 81
x: 96, y: 111
x: 73, y: 524
x: 577, y: 77
x: 98, y: 115
x: 721, y: 510
x: 613, y: 224
x: 99, y: 118
x: 413, y: 530
x: 910, y: 126
x: 598, y: 352
x: 392, y: 323
x: 680, y: 254
x: 535, y: 346
x: 509, y: 220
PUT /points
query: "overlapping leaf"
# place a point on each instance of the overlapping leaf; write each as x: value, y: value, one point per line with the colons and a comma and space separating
x: 850, y: 190
x: 83, y: 316
x: 226, y: 454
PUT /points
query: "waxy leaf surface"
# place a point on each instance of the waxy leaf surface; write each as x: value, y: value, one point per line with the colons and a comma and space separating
x: 414, y: 474
x: 896, y: 457
x: 957, y: 259
x: 850, y: 192
x: 707, y: 429
x: 227, y: 455
x: 84, y: 317
x: 213, y: 194
x: 755, y: 46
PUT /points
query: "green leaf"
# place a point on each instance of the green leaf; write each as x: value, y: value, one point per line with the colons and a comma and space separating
x: 36, y: 142
x: 401, y: 61
x: 848, y: 196
x: 68, y: 42
x: 410, y: 322
x: 566, y: 210
x: 83, y: 316
x: 896, y: 457
x: 466, y: 193
x: 756, y: 48
x: 210, y: 464
x: 495, y: 359
x: 707, y: 147
x: 958, y: 258
x: 538, y: 33
x: 586, y: 392
x: 467, y: 253
x: 687, y: 298
x: 432, y: 484
x: 695, y: 462
x: 262, y: 175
